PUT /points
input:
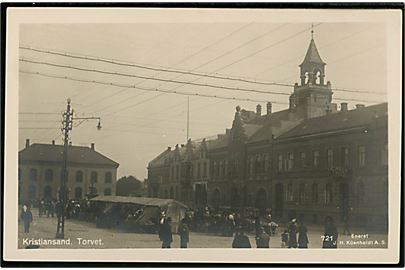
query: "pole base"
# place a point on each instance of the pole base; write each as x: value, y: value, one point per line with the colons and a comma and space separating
x: 60, y: 235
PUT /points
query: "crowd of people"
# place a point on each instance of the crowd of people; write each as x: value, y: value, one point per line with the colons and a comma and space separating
x: 237, y: 224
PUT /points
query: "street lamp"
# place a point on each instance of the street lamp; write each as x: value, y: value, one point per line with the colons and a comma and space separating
x: 67, y: 126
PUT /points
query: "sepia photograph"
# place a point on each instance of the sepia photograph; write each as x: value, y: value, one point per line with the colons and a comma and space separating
x: 213, y: 130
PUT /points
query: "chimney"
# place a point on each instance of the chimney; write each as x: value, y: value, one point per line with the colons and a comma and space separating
x: 70, y: 143
x: 269, y: 105
x: 53, y: 142
x: 169, y: 148
x: 343, y: 107
x: 27, y: 143
x: 93, y: 147
x: 360, y: 106
x: 258, y: 110
x: 292, y: 103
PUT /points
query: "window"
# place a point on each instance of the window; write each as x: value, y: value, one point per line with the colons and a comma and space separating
x: 345, y: 156
x: 329, y: 153
x: 108, y: 177
x: 266, y: 163
x: 362, y: 156
x: 172, y: 172
x: 290, y: 196
x: 303, y: 159
x: 301, y: 193
x: 48, y: 175
x: 93, y: 177
x: 79, y: 176
x: 316, y: 159
x: 360, y: 193
x: 290, y: 161
x: 328, y: 194
x: 205, y: 169
x: 220, y: 166
x: 280, y: 163
x: 384, y: 155
x: 78, y: 193
x: 33, y: 175
x: 198, y: 170
x: 314, y: 193
x: 214, y: 168
x: 177, y: 171
x: 107, y: 191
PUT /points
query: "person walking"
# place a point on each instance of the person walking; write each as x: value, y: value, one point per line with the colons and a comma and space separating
x: 346, y: 230
x: 331, y: 234
x: 240, y: 240
x: 292, y: 234
x: 26, y: 217
x: 302, y: 236
x: 262, y: 239
x: 284, y: 239
x: 165, y: 233
x: 184, y: 233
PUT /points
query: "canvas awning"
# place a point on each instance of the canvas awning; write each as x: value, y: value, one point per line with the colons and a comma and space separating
x: 143, y: 201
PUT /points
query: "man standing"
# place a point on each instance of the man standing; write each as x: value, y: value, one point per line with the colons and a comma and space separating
x: 262, y: 239
x: 241, y: 240
x: 292, y: 234
x: 165, y: 233
x: 26, y: 217
x: 183, y: 231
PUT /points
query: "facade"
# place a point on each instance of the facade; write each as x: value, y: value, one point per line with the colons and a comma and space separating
x: 181, y: 174
x: 309, y: 160
x: 40, y: 172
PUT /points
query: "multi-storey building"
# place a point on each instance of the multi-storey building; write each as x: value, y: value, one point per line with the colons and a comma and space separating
x: 181, y: 174
x: 40, y: 172
x: 309, y: 160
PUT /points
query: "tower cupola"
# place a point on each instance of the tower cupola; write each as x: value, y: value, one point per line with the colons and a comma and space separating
x: 312, y: 68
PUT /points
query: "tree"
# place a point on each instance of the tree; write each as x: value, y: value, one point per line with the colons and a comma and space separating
x: 128, y: 185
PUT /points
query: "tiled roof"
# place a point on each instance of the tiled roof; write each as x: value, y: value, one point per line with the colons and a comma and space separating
x: 338, y: 121
x: 54, y: 153
x: 312, y: 55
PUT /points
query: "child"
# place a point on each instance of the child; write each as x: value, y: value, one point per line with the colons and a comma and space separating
x: 284, y: 239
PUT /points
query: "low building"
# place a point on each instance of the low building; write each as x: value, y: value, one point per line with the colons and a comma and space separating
x: 40, y: 172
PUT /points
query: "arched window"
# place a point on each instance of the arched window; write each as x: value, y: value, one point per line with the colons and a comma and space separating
x: 79, y: 176
x: 329, y: 154
x: 301, y: 193
x: 107, y: 191
x: 78, y: 193
x: 33, y: 174
x: 166, y: 194
x: 314, y: 193
x: 360, y: 193
x: 48, y: 192
x: 216, y: 198
x: 93, y: 177
x: 48, y: 175
x: 328, y: 193
x: 290, y: 194
x: 32, y: 192
x: 108, y: 177
x: 171, y: 193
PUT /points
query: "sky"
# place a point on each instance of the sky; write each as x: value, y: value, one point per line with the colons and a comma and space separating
x: 138, y: 124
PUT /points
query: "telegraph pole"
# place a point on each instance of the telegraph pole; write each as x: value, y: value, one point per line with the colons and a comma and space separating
x: 188, y: 118
x: 67, y: 126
